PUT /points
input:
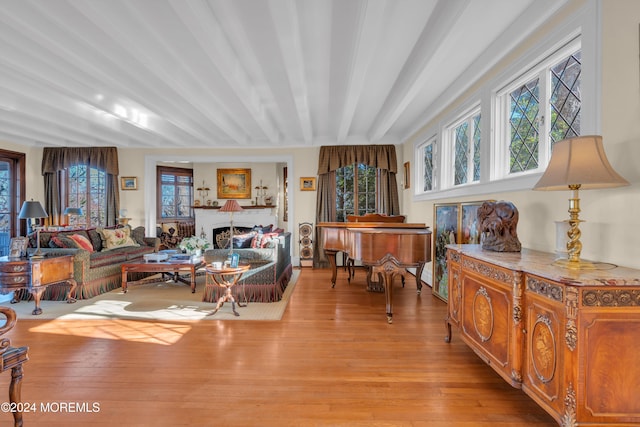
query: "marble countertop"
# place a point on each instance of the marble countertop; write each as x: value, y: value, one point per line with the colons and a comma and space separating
x: 541, y: 264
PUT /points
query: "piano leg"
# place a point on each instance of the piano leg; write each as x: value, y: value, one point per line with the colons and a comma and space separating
x: 331, y: 255
x: 387, y: 268
x: 419, y: 277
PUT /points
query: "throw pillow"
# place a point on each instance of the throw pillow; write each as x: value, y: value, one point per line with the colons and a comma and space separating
x: 269, y: 240
x: 243, y: 241
x: 82, y: 241
x: 118, y: 238
x: 137, y: 234
x: 262, y: 229
x: 64, y: 242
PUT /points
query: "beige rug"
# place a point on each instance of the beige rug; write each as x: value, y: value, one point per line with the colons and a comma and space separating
x: 155, y: 301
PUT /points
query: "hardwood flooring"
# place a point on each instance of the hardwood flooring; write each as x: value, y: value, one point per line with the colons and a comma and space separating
x: 331, y: 361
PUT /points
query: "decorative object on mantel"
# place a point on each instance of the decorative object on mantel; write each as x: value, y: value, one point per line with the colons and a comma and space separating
x: 203, y: 192
x: 498, y: 225
x: 234, y: 184
x: 231, y: 206
x: 578, y: 163
x: 261, y: 192
x: 33, y: 210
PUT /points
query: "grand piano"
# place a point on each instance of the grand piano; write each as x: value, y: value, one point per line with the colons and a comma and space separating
x: 387, y: 248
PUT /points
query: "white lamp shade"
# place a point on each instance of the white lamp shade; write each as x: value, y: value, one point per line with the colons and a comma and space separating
x: 582, y: 161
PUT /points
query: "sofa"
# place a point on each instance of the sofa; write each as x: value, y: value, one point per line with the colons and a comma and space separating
x: 270, y: 261
x: 96, y: 260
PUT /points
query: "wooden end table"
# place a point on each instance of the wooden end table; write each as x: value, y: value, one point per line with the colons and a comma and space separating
x: 35, y: 274
x: 170, y: 266
x: 225, y: 277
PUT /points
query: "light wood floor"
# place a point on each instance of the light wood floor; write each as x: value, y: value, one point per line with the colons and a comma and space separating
x: 331, y: 361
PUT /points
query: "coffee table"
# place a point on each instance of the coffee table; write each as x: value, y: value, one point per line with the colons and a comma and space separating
x: 170, y: 266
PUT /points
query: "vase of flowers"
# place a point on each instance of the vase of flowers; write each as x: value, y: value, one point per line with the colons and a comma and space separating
x: 193, y: 245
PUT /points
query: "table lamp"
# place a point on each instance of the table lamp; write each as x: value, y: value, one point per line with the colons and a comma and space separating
x: 578, y: 163
x: 73, y: 212
x: 33, y: 210
x: 231, y: 206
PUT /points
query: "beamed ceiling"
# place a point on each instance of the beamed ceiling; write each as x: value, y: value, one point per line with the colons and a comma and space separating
x: 241, y: 73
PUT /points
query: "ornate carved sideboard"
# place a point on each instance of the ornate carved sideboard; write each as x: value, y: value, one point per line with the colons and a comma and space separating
x: 569, y: 339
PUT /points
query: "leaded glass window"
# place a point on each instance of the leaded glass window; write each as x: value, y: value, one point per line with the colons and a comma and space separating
x: 428, y: 167
x: 466, y: 149
x: 544, y: 109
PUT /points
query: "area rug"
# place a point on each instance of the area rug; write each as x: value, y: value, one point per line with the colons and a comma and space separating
x: 155, y: 299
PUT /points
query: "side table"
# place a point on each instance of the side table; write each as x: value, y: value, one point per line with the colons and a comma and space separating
x: 35, y: 274
x: 225, y: 277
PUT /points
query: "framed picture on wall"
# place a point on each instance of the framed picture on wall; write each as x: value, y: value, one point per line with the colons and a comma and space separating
x: 407, y: 175
x: 308, y: 183
x: 128, y: 183
x: 234, y: 183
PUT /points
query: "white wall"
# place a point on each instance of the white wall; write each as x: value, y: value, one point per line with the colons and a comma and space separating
x: 612, y: 215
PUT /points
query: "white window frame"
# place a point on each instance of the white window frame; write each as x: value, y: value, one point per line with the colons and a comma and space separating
x: 502, y: 127
x: 449, y: 142
x: 418, y: 161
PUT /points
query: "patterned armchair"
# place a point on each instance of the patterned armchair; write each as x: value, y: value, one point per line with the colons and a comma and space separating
x: 172, y: 233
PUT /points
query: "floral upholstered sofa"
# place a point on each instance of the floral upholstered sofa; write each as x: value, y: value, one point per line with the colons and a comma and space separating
x: 270, y: 260
x: 97, y: 256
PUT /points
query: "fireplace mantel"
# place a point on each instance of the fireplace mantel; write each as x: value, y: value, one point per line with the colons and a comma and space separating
x: 209, y: 218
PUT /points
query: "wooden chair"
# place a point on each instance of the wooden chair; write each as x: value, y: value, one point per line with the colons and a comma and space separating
x: 12, y: 358
x: 370, y: 217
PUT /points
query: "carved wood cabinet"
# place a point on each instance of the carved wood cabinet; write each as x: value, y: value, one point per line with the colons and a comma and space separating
x: 570, y: 340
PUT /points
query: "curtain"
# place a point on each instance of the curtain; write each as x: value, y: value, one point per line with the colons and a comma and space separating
x: 56, y: 159
x: 333, y: 157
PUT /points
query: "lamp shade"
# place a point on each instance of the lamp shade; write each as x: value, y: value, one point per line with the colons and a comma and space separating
x: 579, y: 161
x: 231, y: 206
x: 73, y: 211
x: 32, y: 209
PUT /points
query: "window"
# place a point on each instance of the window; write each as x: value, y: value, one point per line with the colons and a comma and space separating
x: 86, y: 188
x: 175, y: 193
x: 425, y: 163
x: 464, y: 135
x: 356, y: 191
x: 12, y: 187
x: 543, y: 107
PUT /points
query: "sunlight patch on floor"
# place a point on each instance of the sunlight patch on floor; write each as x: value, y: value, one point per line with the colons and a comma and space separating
x: 128, y: 330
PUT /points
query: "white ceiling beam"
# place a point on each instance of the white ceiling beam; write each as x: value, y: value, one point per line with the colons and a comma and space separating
x: 55, y: 54
x: 287, y: 26
x: 370, y: 19
x: 413, y: 77
x: 159, y: 51
x: 199, y: 19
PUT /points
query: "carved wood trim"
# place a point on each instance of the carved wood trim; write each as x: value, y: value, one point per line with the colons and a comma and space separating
x: 569, y: 416
x: 571, y: 306
x: 544, y: 288
x: 611, y: 298
x: 489, y: 271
